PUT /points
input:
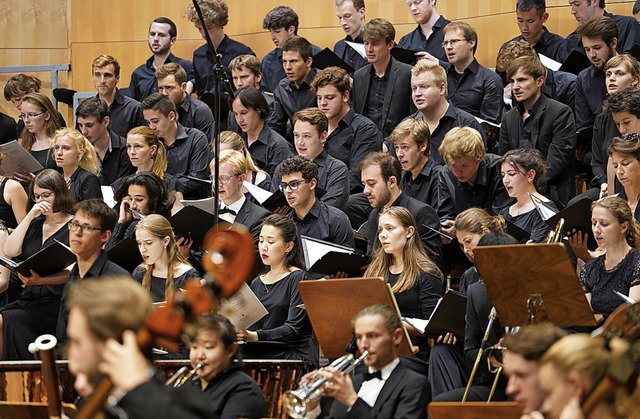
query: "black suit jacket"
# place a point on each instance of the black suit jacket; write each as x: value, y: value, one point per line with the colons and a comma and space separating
x: 397, y: 103
x: 403, y: 395
x: 251, y: 215
x: 553, y: 132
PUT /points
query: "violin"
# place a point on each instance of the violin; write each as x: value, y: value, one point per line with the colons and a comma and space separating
x: 228, y: 260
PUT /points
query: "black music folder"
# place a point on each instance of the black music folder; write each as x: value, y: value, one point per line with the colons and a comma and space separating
x: 403, y: 55
x: 327, y: 258
x: 193, y: 223
x: 327, y: 58
x: 518, y: 233
x: 125, y: 254
x: 578, y: 217
x: 575, y: 62
x: 448, y: 316
x: 48, y: 261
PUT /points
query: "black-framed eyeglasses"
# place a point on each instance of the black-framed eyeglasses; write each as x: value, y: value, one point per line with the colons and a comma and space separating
x: 631, y: 137
x: 30, y: 116
x: 86, y: 229
x: 46, y: 195
x: 293, y: 185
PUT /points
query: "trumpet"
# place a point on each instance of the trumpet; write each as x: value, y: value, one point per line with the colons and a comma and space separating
x: 182, y: 376
x: 555, y: 235
x: 296, y: 402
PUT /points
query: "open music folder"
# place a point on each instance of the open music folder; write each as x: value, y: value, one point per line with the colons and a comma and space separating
x: 48, y: 261
x: 327, y: 258
x: 448, y: 316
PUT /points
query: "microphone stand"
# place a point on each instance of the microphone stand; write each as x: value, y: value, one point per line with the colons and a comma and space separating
x: 220, y: 76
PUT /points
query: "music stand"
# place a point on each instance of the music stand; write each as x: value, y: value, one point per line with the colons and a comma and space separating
x: 531, y: 283
x: 474, y: 410
x: 332, y: 303
x: 33, y: 410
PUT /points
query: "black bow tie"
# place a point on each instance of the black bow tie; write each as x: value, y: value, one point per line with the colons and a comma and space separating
x: 371, y: 375
x: 227, y: 210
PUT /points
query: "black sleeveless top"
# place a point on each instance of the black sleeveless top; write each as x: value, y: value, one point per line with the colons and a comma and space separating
x: 6, y: 212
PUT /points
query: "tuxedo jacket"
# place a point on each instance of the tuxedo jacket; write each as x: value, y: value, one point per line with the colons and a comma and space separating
x: 397, y: 103
x: 403, y: 395
x: 553, y: 132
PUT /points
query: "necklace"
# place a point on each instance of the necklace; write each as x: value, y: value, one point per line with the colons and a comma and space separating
x: 268, y: 288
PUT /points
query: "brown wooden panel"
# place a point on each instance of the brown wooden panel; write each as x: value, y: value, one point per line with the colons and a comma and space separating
x: 474, y: 410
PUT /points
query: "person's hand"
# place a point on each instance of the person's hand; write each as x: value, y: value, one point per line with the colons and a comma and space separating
x: 34, y: 279
x: 578, y: 243
x: 424, y: 54
x: 604, y: 190
x: 283, y: 210
x: 448, y: 339
x: 125, y: 215
x: 572, y: 410
x: 123, y: 363
x: 40, y: 208
x: 246, y: 335
x: 185, y: 246
x: 339, y: 386
x: 339, y: 275
x: 22, y: 176
x: 447, y: 227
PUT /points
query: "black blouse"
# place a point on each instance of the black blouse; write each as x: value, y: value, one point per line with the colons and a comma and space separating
x: 158, y: 285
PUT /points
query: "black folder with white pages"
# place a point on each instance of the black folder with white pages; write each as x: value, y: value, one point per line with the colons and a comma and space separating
x: 448, y: 316
x: 48, y: 261
x: 327, y: 258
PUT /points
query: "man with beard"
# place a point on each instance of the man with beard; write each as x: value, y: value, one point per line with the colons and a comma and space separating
x: 162, y: 35
x: 428, y: 36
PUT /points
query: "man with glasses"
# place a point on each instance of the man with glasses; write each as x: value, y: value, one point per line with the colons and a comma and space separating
x: 187, y: 148
x: 428, y: 36
x: 89, y: 230
x: 381, y: 88
x: 310, y: 133
x: 583, y: 10
x: 313, y: 217
x: 471, y: 86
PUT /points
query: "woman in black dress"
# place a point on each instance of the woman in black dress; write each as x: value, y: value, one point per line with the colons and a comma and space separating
x: 287, y: 323
x: 35, y: 311
x: 79, y: 162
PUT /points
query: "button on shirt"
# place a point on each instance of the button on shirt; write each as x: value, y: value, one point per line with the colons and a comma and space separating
x: 477, y: 90
x: 375, y: 99
x: 370, y: 389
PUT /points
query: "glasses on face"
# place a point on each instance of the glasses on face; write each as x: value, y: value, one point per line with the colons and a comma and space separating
x: 224, y: 179
x: 293, y: 185
x: 631, y: 137
x: 86, y: 229
x: 46, y: 195
x: 30, y: 116
x: 451, y: 42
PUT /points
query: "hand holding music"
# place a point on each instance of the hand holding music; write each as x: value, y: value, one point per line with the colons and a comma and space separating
x: 184, y: 245
x: 424, y: 54
x: 22, y: 176
x: 34, y: 279
x: 246, y: 335
x: 448, y: 339
x: 124, y: 363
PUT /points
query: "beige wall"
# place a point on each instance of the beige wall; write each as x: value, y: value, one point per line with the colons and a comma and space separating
x: 75, y: 31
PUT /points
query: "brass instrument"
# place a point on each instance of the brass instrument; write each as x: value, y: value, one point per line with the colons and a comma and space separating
x: 494, y: 359
x: 182, y: 376
x: 555, y: 235
x: 492, y: 317
x: 296, y: 402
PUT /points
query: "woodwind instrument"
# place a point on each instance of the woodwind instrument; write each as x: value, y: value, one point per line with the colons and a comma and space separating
x: 45, y: 345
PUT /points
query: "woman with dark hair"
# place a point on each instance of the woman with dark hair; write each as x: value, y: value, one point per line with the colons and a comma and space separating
x: 79, y: 162
x: 625, y: 159
x: 415, y: 280
x: 277, y: 289
x: 231, y: 392
x: 35, y: 311
x: 164, y: 270
x: 617, y: 270
x: 523, y: 172
x: 13, y: 201
x: 41, y: 122
x: 267, y: 147
x: 139, y: 195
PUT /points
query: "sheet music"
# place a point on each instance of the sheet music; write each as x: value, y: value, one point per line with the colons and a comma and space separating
x: 484, y: 121
x: 358, y: 47
x: 204, y: 204
x: 108, y: 196
x: 314, y: 250
x: 550, y: 63
x: 257, y: 192
x: 243, y: 309
x: 15, y: 157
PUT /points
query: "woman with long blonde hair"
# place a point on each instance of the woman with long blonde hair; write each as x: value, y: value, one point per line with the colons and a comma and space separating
x: 164, y: 270
x: 79, y: 162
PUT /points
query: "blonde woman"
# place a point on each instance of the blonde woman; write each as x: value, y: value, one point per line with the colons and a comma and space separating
x: 164, y: 270
x: 230, y: 140
x: 79, y: 162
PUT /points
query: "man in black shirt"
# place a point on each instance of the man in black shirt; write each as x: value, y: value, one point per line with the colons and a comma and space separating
x: 89, y: 230
x: 162, y: 35
x: 351, y: 136
x: 192, y: 113
x: 419, y: 173
x: 125, y: 111
x: 470, y: 86
x: 351, y: 16
x: 313, y: 217
x: 293, y: 92
x: 599, y: 37
x: 93, y: 121
x: 187, y: 148
x: 429, y: 93
x: 428, y: 36
x: 380, y: 174
x: 310, y: 134
x: 531, y: 15
x: 381, y: 88
x: 282, y: 24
